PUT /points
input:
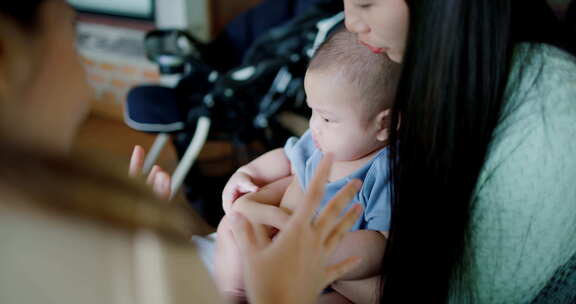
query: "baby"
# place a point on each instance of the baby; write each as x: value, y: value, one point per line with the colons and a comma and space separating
x: 350, y: 91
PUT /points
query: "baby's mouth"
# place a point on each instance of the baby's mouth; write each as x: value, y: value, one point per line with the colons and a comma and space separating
x: 316, y: 143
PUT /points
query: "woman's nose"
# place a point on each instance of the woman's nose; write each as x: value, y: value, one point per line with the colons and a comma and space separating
x: 354, y: 23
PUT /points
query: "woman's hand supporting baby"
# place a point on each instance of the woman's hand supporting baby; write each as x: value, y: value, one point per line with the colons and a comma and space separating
x: 301, y: 251
x: 255, y: 192
x: 261, y: 208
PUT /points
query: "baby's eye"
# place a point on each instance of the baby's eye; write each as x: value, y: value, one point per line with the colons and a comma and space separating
x: 327, y: 120
x: 364, y: 6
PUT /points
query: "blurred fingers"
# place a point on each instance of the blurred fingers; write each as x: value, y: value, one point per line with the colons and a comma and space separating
x: 136, y: 161
x: 247, y: 187
x: 152, y: 176
x: 161, y: 185
x: 262, y: 235
x: 244, y: 233
x: 263, y: 214
x: 335, y: 272
x: 337, y: 232
x: 305, y: 212
x: 329, y: 216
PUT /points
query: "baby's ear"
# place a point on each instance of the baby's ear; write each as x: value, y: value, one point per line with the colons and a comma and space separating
x: 383, y: 120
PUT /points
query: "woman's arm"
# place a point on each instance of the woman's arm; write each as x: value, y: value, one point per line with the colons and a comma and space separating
x: 268, y: 168
x: 524, y: 221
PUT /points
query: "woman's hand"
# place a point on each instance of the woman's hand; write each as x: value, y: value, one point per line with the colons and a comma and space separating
x: 293, y: 268
x: 158, y: 179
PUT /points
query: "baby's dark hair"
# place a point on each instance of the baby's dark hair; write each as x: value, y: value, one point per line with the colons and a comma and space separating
x: 374, y: 75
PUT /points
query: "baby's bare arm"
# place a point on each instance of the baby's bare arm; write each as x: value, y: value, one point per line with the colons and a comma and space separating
x: 268, y: 168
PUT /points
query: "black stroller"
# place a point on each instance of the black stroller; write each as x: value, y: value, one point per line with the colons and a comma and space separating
x: 240, y: 105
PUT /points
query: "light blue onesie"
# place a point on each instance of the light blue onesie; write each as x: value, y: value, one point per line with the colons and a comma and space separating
x: 374, y: 195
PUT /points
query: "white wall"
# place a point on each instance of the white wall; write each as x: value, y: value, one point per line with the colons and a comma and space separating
x: 193, y: 15
x: 135, y: 8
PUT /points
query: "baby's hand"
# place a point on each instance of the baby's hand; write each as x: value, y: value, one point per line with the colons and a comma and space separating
x: 239, y: 184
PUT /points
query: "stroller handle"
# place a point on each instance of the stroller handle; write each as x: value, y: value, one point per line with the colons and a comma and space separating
x: 191, y: 154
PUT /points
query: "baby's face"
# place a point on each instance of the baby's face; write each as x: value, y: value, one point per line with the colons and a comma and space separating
x: 340, y: 123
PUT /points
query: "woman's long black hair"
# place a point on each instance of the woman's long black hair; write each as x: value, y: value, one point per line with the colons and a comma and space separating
x: 451, y: 93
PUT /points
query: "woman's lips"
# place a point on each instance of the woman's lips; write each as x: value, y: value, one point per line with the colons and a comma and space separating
x: 373, y: 49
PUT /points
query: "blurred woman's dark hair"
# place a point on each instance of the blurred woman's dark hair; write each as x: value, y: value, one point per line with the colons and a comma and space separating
x: 24, y: 12
x: 450, y: 98
x: 90, y: 188
x: 570, y: 17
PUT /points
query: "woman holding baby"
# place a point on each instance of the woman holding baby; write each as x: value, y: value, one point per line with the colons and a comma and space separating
x: 483, y: 203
